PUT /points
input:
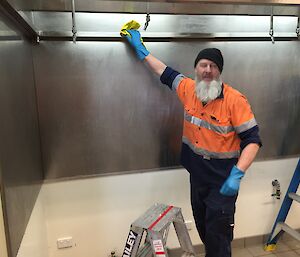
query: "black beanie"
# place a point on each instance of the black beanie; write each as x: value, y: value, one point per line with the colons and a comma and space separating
x: 212, y: 54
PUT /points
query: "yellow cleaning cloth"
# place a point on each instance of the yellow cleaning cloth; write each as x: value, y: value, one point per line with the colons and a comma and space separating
x: 129, y: 25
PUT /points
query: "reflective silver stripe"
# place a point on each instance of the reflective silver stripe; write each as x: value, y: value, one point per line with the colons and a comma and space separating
x: 206, y: 153
x: 245, y: 126
x: 177, y: 81
x: 202, y: 123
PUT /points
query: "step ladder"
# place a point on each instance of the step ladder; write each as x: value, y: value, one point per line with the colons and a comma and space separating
x: 280, y: 226
x: 152, y: 227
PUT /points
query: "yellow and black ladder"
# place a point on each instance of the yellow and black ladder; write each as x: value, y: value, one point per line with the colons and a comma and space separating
x: 280, y: 226
x: 155, y: 222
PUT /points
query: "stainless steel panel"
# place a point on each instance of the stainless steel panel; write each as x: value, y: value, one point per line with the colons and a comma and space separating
x: 6, y: 31
x: 20, y: 157
x: 15, y: 20
x: 101, y: 111
x: 101, y: 22
x: 281, y: 7
x: 162, y: 27
x: 4, y: 27
x: 96, y: 116
x: 269, y: 75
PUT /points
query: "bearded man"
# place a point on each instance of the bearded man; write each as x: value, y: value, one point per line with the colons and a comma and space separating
x: 220, y: 141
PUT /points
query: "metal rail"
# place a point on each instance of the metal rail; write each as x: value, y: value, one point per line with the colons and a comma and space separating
x: 13, y: 18
x: 255, y: 2
x: 168, y: 36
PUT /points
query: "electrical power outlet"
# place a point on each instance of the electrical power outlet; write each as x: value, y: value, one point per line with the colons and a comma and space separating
x: 65, y: 242
x: 188, y: 224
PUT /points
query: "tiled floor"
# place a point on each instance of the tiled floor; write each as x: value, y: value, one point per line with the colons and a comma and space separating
x: 288, y: 248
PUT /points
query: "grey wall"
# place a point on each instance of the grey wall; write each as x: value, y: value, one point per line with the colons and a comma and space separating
x: 96, y: 116
x: 101, y: 111
x: 20, y: 157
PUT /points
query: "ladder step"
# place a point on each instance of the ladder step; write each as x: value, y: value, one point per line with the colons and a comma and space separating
x: 145, y: 251
x: 279, y: 225
x: 153, y: 226
x: 295, y: 197
x: 286, y: 228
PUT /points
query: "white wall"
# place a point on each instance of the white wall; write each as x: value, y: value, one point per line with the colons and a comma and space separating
x: 256, y: 209
x: 3, y: 249
x: 97, y: 212
x: 34, y: 242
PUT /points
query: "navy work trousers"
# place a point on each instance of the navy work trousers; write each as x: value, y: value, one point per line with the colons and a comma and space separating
x: 214, y: 218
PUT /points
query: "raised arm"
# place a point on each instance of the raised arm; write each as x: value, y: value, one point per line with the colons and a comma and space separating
x: 155, y: 65
x: 135, y: 40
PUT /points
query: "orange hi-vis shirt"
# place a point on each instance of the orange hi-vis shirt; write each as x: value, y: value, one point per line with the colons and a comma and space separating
x: 212, y: 130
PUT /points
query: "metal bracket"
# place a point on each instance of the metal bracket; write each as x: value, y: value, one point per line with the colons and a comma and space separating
x: 74, y: 29
x: 298, y: 28
x: 271, y: 32
x: 147, y: 17
x: 276, y: 189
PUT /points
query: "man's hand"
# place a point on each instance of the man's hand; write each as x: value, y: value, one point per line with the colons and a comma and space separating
x: 137, y: 43
x: 232, y: 183
x: 129, y: 30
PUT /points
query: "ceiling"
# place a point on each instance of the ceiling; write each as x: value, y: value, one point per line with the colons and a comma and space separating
x: 101, y: 20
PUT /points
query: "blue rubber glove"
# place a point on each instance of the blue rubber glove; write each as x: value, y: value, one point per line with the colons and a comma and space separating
x: 137, y: 42
x: 232, y: 183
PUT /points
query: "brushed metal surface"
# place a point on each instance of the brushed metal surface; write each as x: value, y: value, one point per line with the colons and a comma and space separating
x: 20, y: 154
x: 281, y: 7
x: 96, y: 116
x: 16, y: 21
x: 179, y: 24
x: 101, y: 111
x: 269, y: 76
x: 97, y: 26
x: 5, y: 29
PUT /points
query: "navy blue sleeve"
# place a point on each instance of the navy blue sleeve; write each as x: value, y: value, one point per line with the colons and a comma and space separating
x: 168, y: 76
x: 250, y: 136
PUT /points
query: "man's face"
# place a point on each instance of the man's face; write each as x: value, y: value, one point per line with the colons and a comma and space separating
x: 207, y: 70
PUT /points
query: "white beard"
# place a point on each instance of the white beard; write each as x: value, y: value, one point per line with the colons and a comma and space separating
x: 208, y: 91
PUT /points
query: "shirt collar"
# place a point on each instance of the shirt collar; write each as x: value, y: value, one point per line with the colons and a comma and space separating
x: 221, y: 95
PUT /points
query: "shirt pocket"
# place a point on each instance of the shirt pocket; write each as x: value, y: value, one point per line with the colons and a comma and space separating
x: 219, y: 124
x: 190, y: 110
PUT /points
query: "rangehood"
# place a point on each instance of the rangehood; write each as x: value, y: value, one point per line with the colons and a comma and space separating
x: 170, y: 19
x: 241, y: 7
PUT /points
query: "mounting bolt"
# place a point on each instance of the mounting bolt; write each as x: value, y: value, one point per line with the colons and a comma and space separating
x: 276, y: 189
